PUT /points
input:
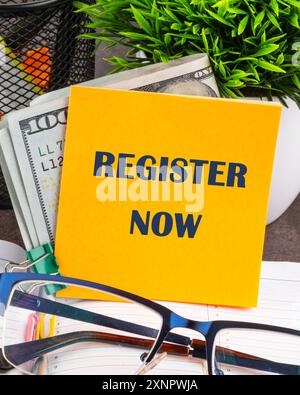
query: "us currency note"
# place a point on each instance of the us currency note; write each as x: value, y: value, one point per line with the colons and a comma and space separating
x: 38, y: 132
x: 38, y: 140
x: 190, y: 75
x: 15, y: 186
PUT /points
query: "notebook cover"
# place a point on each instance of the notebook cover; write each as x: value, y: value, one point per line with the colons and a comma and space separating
x: 122, y: 220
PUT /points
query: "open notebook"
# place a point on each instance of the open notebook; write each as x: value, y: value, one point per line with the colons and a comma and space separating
x: 279, y: 304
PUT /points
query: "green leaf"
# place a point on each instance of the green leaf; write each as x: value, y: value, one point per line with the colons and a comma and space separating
x: 183, y: 35
x: 275, y: 39
x: 196, y: 29
x: 280, y: 60
x: 254, y: 71
x: 266, y: 26
x: 294, y: 21
x: 243, y: 25
x: 220, y: 19
x: 296, y: 81
x: 266, y: 50
x: 237, y: 73
x: 270, y: 66
x: 228, y: 92
x: 167, y: 39
x: 221, y: 3
x: 275, y: 7
x: 215, y: 47
x: 205, y: 42
x: 234, y: 84
x: 250, y: 58
x: 142, y: 22
x: 234, y: 33
x: 236, y: 11
x: 258, y: 19
x: 171, y: 15
x: 273, y: 20
x: 222, y: 7
x: 154, y: 9
x: 294, y: 3
x: 222, y: 69
x: 251, y: 41
x: 155, y: 14
x: 176, y: 26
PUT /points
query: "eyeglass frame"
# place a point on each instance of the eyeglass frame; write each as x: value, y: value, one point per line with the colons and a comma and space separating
x: 170, y: 319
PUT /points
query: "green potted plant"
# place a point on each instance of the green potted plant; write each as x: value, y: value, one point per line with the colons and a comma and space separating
x: 253, y: 46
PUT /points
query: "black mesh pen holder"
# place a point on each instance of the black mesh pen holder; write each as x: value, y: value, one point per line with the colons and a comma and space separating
x: 40, y: 52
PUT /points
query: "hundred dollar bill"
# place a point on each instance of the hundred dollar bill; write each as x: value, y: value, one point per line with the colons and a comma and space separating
x: 37, y: 133
x: 15, y: 186
x: 190, y: 75
x: 37, y: 136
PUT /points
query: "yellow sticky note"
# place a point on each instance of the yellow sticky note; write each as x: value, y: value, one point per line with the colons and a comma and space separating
x: 166, y: 196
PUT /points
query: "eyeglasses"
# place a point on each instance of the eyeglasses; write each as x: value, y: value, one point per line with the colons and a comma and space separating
x: 116, y: 332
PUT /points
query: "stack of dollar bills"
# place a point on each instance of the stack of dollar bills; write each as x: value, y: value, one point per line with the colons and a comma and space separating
x: 32, y: 139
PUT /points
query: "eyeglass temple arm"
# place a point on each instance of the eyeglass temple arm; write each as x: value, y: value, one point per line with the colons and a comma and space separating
x: 21, y: 353
x: 42, y: 305
x: 24, y: 352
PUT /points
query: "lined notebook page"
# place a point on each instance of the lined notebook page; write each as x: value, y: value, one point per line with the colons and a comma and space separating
x: 279, y: 298
x: 105, y: 358
x: 279, y: 304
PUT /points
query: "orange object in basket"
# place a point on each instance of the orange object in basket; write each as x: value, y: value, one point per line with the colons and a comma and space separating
x: 37, y: 63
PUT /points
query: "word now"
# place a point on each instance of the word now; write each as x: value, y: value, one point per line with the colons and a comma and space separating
x: 162, y: 224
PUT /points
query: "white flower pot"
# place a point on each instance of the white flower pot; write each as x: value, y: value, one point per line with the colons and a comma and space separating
x: 285, y: 184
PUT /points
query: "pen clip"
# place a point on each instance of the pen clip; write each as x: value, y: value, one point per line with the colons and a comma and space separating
x: 10, y: 267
